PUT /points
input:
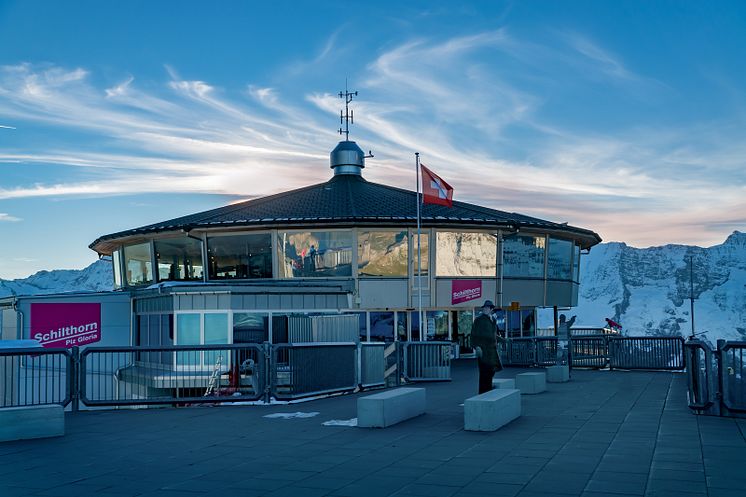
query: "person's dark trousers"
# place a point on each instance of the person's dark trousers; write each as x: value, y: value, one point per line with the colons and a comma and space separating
x: 486, y: 372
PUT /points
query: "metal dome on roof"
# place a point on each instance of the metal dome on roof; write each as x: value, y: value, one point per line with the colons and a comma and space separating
x: 347, y: 158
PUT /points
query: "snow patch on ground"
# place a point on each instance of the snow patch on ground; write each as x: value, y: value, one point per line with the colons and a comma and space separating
x: 291, y: 415
x: 341, y: 422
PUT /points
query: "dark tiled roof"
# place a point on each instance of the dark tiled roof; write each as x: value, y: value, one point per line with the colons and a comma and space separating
x: 348, y: 199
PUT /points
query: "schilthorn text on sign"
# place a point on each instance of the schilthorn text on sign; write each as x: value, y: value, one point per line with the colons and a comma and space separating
x: 465, y: 290
x: 65, y: 324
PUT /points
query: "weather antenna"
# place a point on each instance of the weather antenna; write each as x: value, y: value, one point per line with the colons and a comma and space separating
x: 348, y: 117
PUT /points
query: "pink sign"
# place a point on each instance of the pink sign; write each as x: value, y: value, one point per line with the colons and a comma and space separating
x: 465, y: 290
x: 65, y: 325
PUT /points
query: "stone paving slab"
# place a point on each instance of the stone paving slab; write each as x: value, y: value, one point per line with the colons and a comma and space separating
x: 601, y: 434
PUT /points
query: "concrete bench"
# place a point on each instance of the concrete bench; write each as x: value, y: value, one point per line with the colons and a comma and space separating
x: 22, y: 423
x: 558, y: 374
x: 531, y: 383
x: 390, y: 407
x: 503, y: 383
x: 492, y: 410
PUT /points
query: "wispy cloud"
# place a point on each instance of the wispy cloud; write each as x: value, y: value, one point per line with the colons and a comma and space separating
x: 5, y: 217
x: 474, y: 106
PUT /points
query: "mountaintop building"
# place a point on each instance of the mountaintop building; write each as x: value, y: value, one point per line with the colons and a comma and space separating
x: 342, y: 252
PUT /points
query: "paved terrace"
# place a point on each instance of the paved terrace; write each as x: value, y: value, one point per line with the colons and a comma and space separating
x: 604, y: 433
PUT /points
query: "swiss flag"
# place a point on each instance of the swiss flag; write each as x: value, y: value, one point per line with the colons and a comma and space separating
x: 434, y: 189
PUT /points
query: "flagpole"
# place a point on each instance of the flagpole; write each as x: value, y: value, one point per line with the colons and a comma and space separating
x: 419, y: 248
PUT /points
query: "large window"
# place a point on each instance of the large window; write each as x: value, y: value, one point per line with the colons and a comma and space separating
x: 437, y: 325
x: 250, y: 327
x: 382, y: 326
x: 576, y: 263
x: 179, y: 259
x: 465, y: 254
x: 523, y: 256
x: 421, y: 280
x: 382, y: 253
x: 137, y: 264
x: 559, y: 262
x: 315, y: 254
x: 116, y: 262
x: 194, y: 328
x: 240, y: 256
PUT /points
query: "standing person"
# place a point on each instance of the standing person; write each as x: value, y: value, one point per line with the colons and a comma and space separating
x: 484, y: 341
x: 563, y: 338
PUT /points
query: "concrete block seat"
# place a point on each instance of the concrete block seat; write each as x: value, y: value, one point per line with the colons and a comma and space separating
x: 491, y: 410
x: 22, y: 423
x: 390, y: 407
x: 558, y: 374
x: 503, y: 383
x: 531, y: 383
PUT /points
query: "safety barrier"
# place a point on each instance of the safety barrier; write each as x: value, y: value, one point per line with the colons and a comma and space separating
x: 427, y: 361
x: 372, y: 364
x: 597, y: 351
x: 314, y: 368
x: 178, y: 375
x: 646, y: 353
x: 35, y: 376
x: 716, y: 378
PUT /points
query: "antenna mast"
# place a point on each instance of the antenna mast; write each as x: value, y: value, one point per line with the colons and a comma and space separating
x: 347, y: 118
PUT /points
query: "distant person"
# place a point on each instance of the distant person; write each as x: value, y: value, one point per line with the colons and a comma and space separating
x: 484, y: 341
x: 563, y: 339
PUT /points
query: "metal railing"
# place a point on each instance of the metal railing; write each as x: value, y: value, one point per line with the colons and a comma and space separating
x: 176, y: 375
x: 646, y: 353
x: 597, y: 351
x: 372, y: 364
x: 315, y: 368
x: 426, y: 361
x: 716, y: 378
x: 35, y: 376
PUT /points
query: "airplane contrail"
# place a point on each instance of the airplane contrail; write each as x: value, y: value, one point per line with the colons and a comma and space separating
x: 7, y: 127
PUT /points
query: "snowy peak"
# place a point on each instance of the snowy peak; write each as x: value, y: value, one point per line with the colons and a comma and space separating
x: 95, y: 278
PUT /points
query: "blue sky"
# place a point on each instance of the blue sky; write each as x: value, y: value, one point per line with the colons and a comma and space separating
x: 628, y: 118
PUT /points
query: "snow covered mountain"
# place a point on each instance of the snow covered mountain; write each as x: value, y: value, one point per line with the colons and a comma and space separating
x: 95, y: 278
x: 647, y: 290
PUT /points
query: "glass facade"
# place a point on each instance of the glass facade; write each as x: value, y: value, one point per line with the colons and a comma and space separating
x: 382, y: 253
x: 414, y: 256
x: 154, y: 330
x: 523, y: 256
x: 462, y: 322
x: 138, y: 264
x: 559, y: 262
x: 116, y: 262
x: 466, y: 254
x: 401, y: 326
x: 382, y: 326
x: 315, y: 254
x: 576, y: 263
x: 179, y: 259
x: 240, y: 256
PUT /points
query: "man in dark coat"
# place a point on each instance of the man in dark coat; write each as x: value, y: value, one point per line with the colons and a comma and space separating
x: 484, y: 341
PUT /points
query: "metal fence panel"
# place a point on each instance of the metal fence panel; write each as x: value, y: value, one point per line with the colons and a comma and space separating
x: 589, y: 351
x: 545, y: 351
x: 518, y: 352
x: 306, y: 369
x: 36, y: 376
x: 176, y: 375
x: 665, y: 353
x: 733, y: 375
x: 372, y: 364
x: 427, y: 361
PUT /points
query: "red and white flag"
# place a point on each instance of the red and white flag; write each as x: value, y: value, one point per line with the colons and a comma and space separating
x: 434, y: 189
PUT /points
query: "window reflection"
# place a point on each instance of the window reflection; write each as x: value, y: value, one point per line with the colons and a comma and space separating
x: 437, y: 325
x: 240, y: 256
x: 179, y: 259
x: 576, y: 263
x: 116, y: 261
x: 465, y: 254
x: 523, y: 256
x: 381, y: 326
x: 315, y: 254
x: 250, y: 327
x: 137, y: 264
x: 421, y: 280
x: 382, y: 253
x: 559, y: 262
